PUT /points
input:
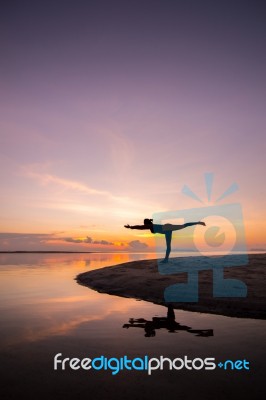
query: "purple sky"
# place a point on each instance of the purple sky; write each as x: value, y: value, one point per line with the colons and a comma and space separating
x: 108, y: 108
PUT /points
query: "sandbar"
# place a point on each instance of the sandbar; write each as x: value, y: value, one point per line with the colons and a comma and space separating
x: 142, y: 280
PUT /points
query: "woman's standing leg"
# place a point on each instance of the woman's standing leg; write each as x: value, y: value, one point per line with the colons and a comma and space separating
x: 168, y: 239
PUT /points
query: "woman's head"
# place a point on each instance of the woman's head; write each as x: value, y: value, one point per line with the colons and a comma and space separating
x: 148, y: 221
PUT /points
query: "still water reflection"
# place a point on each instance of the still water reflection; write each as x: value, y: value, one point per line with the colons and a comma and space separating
x: 40, y: 297
x: 169, y: 323
x: 44, y: 311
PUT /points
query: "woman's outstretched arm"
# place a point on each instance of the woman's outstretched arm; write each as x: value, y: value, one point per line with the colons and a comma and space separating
x: 141, y: 227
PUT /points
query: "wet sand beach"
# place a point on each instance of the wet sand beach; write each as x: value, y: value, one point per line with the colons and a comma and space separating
x: 146, y: 280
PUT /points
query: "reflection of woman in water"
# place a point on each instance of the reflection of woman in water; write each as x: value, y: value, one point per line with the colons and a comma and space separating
x: 168, y: 323
x: 165, y: 229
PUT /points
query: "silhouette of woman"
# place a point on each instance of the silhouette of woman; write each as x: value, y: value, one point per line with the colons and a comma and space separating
x: 168, y: 323
x: 165, y: 229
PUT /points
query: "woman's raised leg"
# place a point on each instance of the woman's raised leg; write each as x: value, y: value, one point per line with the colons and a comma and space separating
x: 171, y: 228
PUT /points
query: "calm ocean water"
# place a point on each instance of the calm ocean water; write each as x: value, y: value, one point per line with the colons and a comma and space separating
x: 44, y: 312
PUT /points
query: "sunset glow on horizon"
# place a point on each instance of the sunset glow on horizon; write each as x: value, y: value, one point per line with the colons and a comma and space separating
x: 109, y: 108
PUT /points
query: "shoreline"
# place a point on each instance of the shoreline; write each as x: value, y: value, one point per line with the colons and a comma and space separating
x: 141, y: 280
x: 45, y: 251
